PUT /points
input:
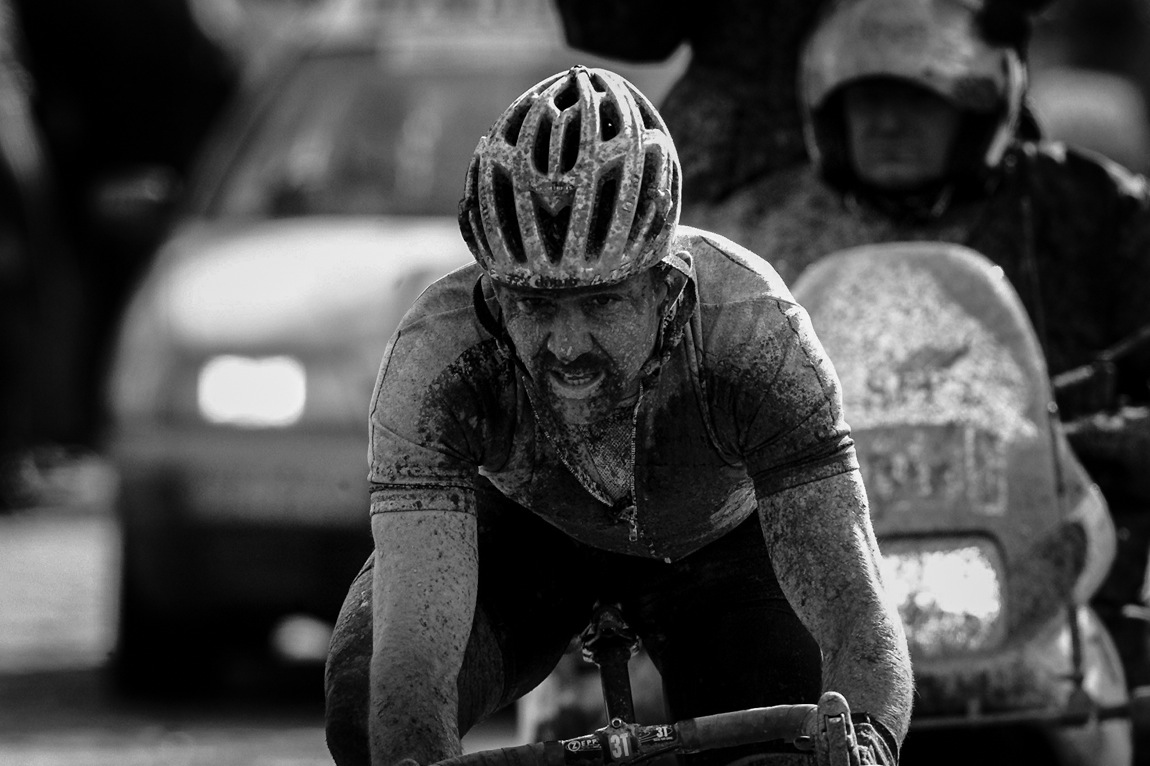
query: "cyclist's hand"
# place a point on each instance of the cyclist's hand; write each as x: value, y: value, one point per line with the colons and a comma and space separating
x: 873, y: 749
x: 842, y: 738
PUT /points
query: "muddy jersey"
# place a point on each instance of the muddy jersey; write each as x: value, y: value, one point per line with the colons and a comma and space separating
x: 742, y: 401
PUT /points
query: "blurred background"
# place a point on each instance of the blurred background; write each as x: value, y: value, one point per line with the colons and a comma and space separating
x: 215, y: 213
x: 218, y: 210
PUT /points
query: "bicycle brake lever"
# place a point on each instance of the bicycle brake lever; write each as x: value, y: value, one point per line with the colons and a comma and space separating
x: 835, y: 742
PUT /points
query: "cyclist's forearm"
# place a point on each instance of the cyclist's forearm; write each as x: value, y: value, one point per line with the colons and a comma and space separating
x: 872, y: 670
x: 423, y: 600
x: 421, y: 729
x: 826, y: 559
x: 414, y: 727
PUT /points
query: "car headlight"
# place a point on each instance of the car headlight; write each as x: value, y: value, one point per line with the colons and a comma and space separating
x: 948, y: 593
x: 252, y: 392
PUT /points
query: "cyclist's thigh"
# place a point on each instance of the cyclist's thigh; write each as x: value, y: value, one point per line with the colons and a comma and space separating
x: 530, y: 605
x: 346, y: 674
x: 533, y: 589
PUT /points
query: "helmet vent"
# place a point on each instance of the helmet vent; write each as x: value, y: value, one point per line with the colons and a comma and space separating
x: 542, y: 153
x: 515, y: 122
x: 576, y: 184
x: 569, y: 96
x: 650, y: 212
x: 570, y: 151
x: 553, y: 229
x: 650, y: 121
x: 602, y: 211
x: 470, y: 221
x: 504, y: 199
x: 609, y: 120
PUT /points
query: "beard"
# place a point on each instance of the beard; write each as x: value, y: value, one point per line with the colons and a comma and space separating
x: 580, y: 392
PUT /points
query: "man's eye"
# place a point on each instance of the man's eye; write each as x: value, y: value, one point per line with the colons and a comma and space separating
x: 532, y: 305
x: 602, y: 301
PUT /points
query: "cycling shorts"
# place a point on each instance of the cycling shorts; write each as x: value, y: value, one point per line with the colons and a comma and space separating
x: 715, y: 623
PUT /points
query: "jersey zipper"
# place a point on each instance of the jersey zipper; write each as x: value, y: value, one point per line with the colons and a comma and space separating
x: 629, y: 514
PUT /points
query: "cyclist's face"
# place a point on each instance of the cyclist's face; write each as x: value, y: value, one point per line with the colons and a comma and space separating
x: 899, y: 135
x: 585, y: 347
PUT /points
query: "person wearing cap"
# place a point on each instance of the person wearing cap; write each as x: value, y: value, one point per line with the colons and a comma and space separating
x: 915, y: 119
x: 606, y: 406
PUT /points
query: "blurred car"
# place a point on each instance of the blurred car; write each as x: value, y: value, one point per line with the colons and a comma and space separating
x: 324, y: 204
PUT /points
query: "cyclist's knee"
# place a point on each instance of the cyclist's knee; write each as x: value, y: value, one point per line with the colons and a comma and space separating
x: 347, y: 676
x: 346, y: 694
x: 482, y: 686
x: 347, y: 739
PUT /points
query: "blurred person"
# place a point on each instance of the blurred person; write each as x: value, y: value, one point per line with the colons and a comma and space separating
x: 735, y: 111
x: 914, y: 120
x: 606, y: 406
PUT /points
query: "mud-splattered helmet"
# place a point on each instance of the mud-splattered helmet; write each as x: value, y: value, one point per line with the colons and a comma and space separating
x: 576, y: 184
x: 935, y: 44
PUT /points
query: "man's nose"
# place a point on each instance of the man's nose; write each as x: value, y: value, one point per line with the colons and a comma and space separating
x: 570, y: 337
x: 887, y: 117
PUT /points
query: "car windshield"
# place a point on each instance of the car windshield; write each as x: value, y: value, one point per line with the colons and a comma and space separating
x: 359, y: 135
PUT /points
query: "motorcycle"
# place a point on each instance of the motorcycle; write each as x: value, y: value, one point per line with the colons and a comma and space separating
x: 992, y: 535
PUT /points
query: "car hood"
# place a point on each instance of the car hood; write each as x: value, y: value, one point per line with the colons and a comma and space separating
x: 301, y: 280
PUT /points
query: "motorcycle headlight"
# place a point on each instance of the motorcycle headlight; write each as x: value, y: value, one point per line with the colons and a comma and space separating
x: 252, y: 392
x: 949, y: 593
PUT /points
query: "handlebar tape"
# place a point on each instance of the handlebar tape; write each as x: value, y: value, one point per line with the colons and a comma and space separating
x: 781, y: 722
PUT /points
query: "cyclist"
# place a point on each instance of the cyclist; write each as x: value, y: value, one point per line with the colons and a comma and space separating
x: 607, y: 406
x: 913, y: 117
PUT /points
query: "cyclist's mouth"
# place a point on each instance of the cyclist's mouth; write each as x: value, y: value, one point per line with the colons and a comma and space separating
x: 575, y: 383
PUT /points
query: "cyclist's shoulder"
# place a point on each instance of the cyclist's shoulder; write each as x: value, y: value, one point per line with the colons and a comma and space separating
x: 441, y: 326
x: 445, y: 302
x: 726, y: 271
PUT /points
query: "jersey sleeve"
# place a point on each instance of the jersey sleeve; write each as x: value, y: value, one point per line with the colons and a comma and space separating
x: 424, y: 442
x: 775, y: 398
x: 796, y: 432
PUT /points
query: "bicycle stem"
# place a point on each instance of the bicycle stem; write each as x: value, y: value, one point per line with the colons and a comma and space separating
x: 610, y: 643
x: 617, y: 685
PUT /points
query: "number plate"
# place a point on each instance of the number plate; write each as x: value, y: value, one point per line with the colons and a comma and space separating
x: 932, y: 468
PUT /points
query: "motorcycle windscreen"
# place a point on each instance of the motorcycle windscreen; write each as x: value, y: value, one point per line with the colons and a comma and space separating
x: 986, y: 520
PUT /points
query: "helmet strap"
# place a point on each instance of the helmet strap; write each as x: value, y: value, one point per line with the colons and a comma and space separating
x: 492, y: 324
x: 677, y: 270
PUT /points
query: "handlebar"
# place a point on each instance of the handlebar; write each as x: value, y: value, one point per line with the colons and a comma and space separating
x: 628, y: 743
x: 790, y: 723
